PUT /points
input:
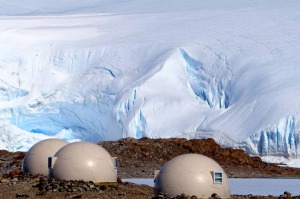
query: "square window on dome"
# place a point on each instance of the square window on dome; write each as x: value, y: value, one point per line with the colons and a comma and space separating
x: 218, y: 177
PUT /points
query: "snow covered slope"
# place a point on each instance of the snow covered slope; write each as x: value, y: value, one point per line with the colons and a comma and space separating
x: 103, y: 70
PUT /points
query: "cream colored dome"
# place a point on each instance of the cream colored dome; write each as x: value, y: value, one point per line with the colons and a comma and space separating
x: 192, y: 174
x: 83, y: 161
x: 36, y: 159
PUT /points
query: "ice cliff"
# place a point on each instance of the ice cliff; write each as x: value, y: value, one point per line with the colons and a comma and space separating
x: 103, y: 70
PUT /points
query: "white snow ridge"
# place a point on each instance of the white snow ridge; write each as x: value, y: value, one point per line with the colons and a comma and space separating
x: 103, y: 70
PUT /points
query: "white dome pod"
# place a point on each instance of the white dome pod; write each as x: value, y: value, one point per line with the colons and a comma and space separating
x: 83, y: 161
x: 192, y: 174
x: 36, y: 159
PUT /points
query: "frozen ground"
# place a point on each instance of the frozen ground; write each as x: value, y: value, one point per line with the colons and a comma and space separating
x: 254, y: 186
x: 103, y: 70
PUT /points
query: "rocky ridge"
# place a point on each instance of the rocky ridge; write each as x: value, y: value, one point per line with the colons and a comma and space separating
x: 139, y: 158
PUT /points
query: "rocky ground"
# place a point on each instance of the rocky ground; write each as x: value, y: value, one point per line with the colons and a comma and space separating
x: 137, y: 159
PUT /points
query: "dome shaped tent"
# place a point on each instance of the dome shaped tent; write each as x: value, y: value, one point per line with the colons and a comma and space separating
x: 192, y: 174
x: 83, y: 161
x: 36, y: 159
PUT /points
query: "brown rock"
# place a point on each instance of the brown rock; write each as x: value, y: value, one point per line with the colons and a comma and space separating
x: 4, y: 180
x: 14, y: 173
x: 119, y: 180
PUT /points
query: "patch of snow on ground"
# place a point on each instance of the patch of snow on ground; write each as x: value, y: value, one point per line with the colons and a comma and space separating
x: 290, y: 162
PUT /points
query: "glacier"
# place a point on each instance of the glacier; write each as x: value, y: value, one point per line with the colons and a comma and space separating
x: 104, y: 70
